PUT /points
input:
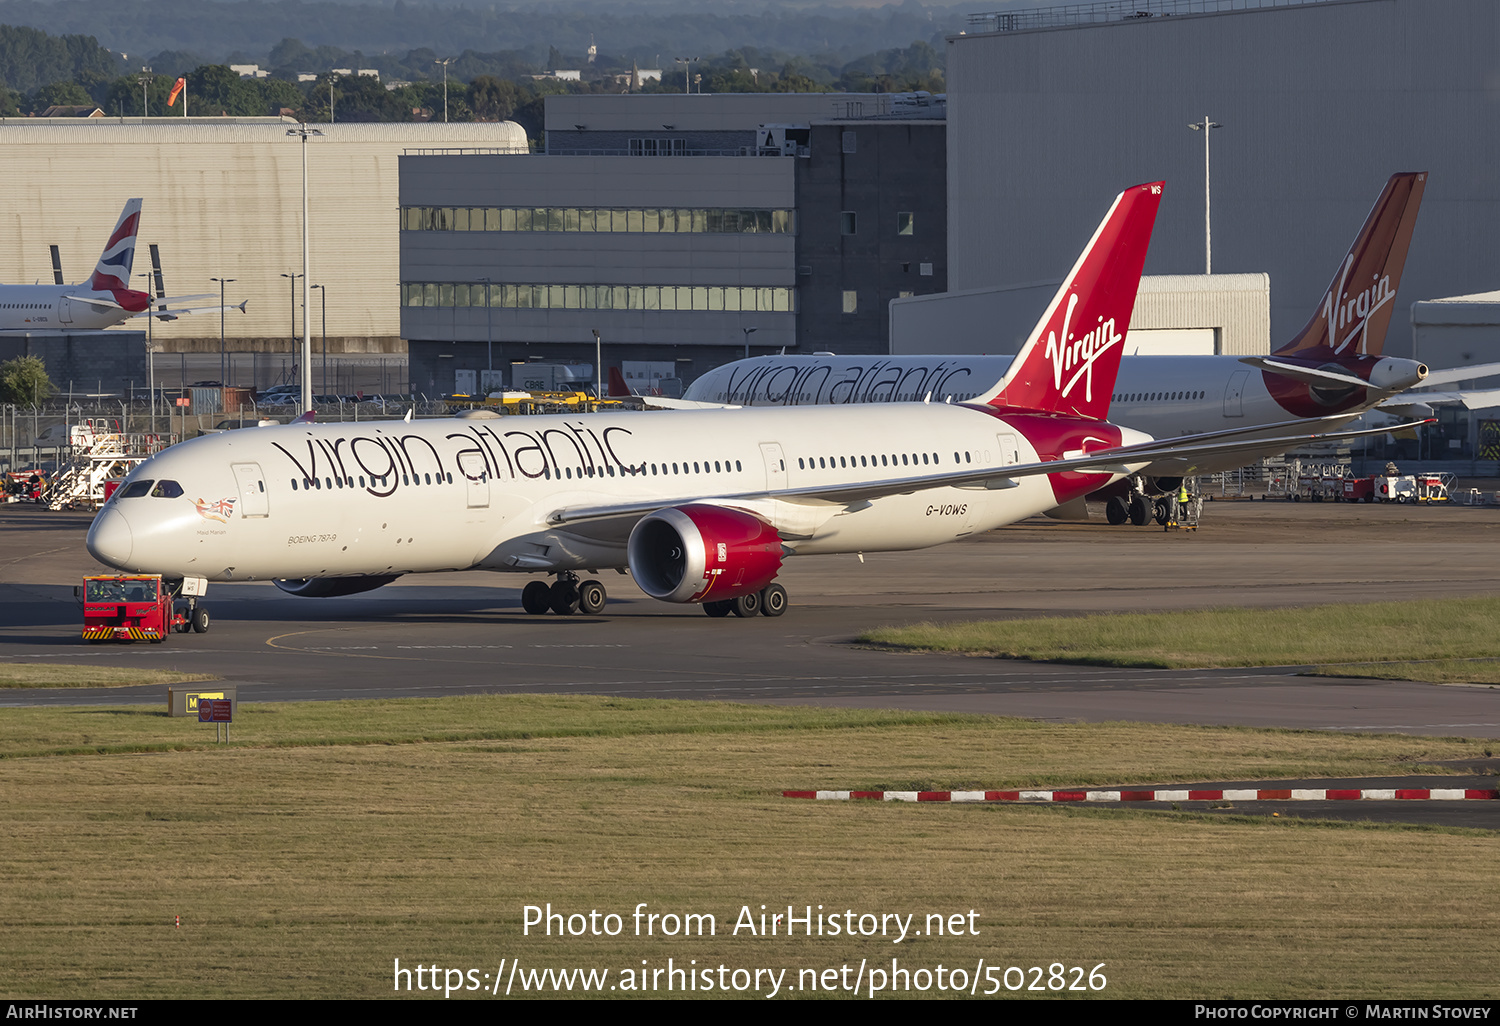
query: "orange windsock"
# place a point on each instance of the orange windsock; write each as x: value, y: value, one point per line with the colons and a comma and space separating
x: 177, y: 88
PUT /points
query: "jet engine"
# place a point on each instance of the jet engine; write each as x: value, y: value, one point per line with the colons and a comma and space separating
x: 333, y: 587
x: 700, y: 552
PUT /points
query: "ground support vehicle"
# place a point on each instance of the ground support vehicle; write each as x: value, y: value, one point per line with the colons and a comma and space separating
x: 137, y: 607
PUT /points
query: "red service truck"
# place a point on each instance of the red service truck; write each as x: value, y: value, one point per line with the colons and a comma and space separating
x: 136, y: 607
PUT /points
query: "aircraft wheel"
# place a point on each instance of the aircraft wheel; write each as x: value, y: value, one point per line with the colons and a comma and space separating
x: 200, y: 620
x: 1140, y: 510
x: 1117, y: 510
x: 563, y: 598
x: 536, y: 597
x: 745, y: 605
x: 591, y: 597
x: 1160, y: 512
x: 773, y: 600
x: 717, y: 609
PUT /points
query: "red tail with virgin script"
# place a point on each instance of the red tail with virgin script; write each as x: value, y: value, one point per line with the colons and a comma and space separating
x: 1354, y: 313
x: 1069, y: 363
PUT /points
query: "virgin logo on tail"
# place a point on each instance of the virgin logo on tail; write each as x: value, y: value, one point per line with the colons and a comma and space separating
x: 1355, y: 325
x: 1099, y: 292
x: 1354, y: 313
x: 1079, y: 353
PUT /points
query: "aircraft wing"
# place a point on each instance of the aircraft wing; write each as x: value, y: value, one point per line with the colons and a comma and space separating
x: 96, y: 300
x: 1474, y: 373
x: 1308, y: 374
x: 1179, y: 455
x: 171, y: 314
x: 1479, y: 399
x: 659, y: 402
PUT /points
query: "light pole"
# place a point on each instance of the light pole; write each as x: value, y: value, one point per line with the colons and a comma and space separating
x: 324, y: 290
x: 292, y: 300
x: 222, y: 282
x: 748, y: 332
x: 445, y: 62
x: 489, y: 334
x: 145, y: 78
x: 1208, y: 236
x: 150, y: 349
x: 303, y: 131
x: 685, y: 61
x: 598, y: 366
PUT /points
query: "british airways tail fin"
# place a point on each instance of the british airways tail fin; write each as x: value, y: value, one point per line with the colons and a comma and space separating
x: 115, y: 263
x: 1069, y: 363
x: 1354, y: 313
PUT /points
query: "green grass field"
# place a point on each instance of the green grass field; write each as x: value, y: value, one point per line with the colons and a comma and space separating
x: 1459, y: 632
x: 66, y: 675
x: 331, y: 838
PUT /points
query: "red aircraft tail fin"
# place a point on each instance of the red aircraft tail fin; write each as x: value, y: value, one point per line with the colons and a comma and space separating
x: 1353, y: 315
x: 617, y: 386
x: 1069, y: 363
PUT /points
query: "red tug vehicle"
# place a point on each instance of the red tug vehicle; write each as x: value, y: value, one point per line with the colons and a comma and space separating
x: 136, y: 607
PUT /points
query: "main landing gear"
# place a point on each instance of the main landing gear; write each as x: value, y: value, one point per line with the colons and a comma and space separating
x: 569, y: 595
x: 1138, y: 508
x: 566, y: 596
x: 769, y: 601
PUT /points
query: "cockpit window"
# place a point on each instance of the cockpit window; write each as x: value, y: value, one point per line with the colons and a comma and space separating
x: 166, y: 490
x: 134, y: 490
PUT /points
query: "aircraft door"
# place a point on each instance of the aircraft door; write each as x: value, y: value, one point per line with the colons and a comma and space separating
x: 65, y: 310
x: 1010, y: 451
x: 476, y: 477
x: 254, y: 502
x: 775, y: 465
x: 1234, y: 394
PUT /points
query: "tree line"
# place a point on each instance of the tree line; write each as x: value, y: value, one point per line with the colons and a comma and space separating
x: 38, y: 71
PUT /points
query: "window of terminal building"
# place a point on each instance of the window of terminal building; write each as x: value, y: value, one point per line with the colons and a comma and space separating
x: 847, y: 222
x: 903, y: 222
x: 658, y: 147
x: 676, y: 220
x: 748, y: 299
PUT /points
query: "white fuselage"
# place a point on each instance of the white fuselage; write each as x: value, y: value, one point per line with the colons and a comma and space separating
x: 391, y: 497
x: 49, y: 308
x: 1163, y: 396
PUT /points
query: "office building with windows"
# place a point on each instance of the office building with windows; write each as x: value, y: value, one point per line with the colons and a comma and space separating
x: 771, y: 227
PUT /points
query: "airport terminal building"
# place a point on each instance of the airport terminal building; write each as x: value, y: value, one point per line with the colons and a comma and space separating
x: 681, y: 228
x: 223, y: 199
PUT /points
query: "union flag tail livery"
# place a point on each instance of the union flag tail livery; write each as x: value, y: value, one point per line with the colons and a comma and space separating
x: 1354, y: 313
x: 115, y: 263
x: 1069, y: 363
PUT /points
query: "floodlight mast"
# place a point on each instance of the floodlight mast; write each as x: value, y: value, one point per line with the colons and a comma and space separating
x: 1208, y: 236
x: 307, y: 392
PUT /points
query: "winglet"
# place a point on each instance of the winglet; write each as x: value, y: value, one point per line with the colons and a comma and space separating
x: 306, y: 418
x: 1069, y: 363
x: 1356, y: 309
x: 115, y: 263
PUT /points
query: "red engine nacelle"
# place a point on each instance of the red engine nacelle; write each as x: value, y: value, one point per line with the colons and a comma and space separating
x: 699, y: 553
